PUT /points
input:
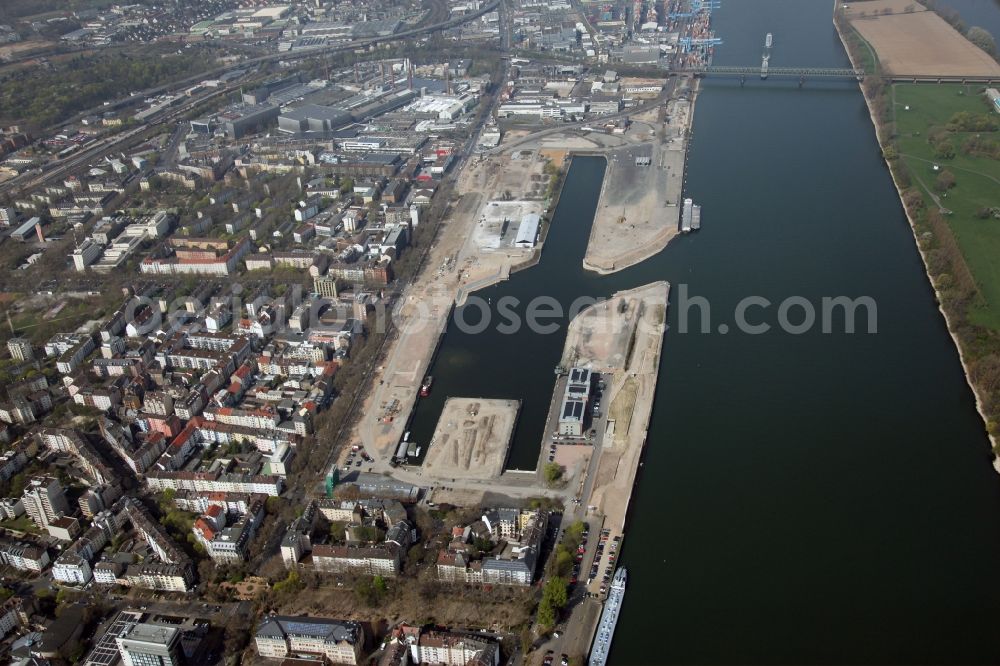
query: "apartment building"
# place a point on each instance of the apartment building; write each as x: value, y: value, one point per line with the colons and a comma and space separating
x: 454, y: 649
x: 44, y: 500
x: 160, y: 576
x: 230, y: 543
x: 371, y: 560
x: 216, y: 482
x: 20, y: 349
x: 339, y: 641
x: 23, y: 556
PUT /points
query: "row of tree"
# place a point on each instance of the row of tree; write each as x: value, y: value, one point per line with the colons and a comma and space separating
x: 963, y: 121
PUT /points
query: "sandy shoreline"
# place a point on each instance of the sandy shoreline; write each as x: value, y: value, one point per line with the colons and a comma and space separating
x: 879, y: 134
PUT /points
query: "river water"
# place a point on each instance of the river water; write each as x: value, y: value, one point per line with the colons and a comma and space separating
x: 813, y: 498
x: 983, y: 13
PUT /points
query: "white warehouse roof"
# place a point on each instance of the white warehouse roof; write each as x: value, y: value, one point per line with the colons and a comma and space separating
x: 527, y: 232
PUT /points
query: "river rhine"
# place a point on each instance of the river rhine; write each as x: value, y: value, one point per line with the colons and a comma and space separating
x: 813, y: 498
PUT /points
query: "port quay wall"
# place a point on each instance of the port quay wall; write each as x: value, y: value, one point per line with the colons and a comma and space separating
x: 880, y: 136
x: 655, y: 245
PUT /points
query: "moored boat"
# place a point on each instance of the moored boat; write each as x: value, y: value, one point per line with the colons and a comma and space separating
x: 609, y: 619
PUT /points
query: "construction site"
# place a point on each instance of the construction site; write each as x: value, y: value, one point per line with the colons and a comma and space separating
x: 472, y: 438
x: 500, y: 225
x: 639, y: 209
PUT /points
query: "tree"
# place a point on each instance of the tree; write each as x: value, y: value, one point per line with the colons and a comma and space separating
x: 236, y: 640
x: 368, y: 533
x: 17, y: 485
x: 65, y: 596
x: 168, y: 495
x: 943, y: 150
x: 292, y: 584
x: 912, y: 200
x: 574, y: 533
x: 546, y: 615
x: 554, y: 599
x: 73, y: 651
x: 370, y: 591
x: 482, y: 544
x: 555, y: 591
x: 553, y: 472
x: 562, y: 563
x: 945, y: 181
x: 526, y: 640
x: 983, y: 39
x: 963, y: 121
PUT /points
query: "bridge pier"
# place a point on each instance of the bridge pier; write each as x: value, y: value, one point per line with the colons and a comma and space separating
x: 802, y: 81
x: 743, y: 80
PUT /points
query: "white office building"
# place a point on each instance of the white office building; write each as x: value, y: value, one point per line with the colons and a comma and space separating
x: 85, y: 254
x: 150, y: 645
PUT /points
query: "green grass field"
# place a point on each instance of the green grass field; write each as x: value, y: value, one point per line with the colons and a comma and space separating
x: 20, y: 524
x: 868, y: 60
x: 977, y: 179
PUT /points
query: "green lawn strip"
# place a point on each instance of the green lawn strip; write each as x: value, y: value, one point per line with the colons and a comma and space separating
x: 930, y: 107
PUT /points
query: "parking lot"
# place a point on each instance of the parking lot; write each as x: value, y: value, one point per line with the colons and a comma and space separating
x: 563, y: 449
x: 356, y: 460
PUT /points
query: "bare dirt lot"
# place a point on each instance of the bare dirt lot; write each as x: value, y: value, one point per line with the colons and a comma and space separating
x: 638, y: 211
x: 9, y: 51
x: 471, y: 438
x: 919, y: 42
x: 498, y: 224
x: 601, y: 335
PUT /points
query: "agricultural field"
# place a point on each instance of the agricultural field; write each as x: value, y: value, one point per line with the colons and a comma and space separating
x: 912, y: 40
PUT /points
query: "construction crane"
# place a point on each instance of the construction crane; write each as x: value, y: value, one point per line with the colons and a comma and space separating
x: 697, y: 7
x: 688, y: 43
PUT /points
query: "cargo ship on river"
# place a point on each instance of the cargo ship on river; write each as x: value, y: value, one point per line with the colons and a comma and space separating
x: 690, y: 216
x: 609, y: 619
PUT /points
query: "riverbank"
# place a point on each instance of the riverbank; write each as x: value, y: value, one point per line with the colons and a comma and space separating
x: 883, y: 136
x: 640, y: 317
